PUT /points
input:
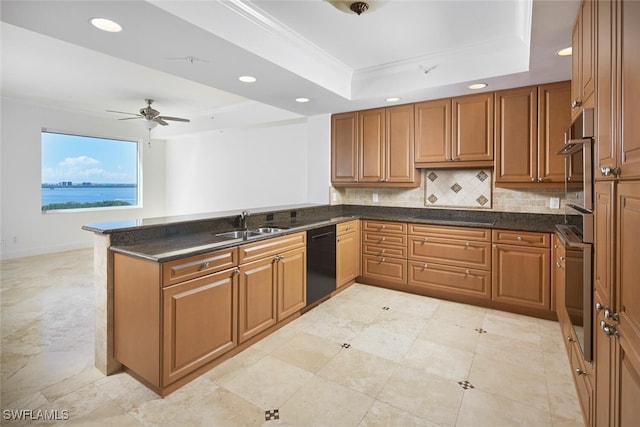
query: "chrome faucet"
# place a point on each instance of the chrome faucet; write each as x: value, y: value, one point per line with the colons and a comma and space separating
x: 243, y: 219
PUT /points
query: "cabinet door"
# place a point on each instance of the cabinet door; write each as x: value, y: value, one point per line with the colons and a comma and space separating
x: 347, y: 254
x: 344, y: 148
x: 399, y: 154
x: 629, y: 64
x: 554, y: 118
x: 628, y: 303
x: 257, y: 295
x: 520, y: 276
x: 576, y: 65
x: 605, y: 144
x: 472, y: 127
x: 603, y: 356
x: 433, y: 131
x: 604, y: 240
x: 371, y: 138
x: 516, y: 135
x: 587, y: 51
x: 292, y: 282
x: 200, y: 322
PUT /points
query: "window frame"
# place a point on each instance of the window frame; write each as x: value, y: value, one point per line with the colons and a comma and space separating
x: 139, y: 174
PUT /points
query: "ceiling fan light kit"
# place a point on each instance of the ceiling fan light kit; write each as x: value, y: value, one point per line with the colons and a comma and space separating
x: 359, y: 7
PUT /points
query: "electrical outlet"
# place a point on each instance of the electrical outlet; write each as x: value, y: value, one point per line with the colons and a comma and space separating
x: 374, y: 197
x: 554, y: 202
x: 334, y: 196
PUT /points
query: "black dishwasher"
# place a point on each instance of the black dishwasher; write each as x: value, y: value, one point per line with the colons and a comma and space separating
x: 321, y: 262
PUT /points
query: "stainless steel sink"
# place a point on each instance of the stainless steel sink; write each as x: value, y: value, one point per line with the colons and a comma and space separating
x: 268, y: 230
x: 240, y: 234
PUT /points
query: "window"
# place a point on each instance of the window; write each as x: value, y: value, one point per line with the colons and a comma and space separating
x: 81, y: 172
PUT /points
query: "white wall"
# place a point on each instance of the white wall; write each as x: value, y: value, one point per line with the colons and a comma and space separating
x: 319, y: 134
x: 237, y: 169
x: 24, y: 229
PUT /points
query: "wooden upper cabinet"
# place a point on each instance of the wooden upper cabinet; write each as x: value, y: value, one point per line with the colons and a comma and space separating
x: 628, y: 66
x: 344, y: 148
x: 371, y: 143
x: 399, y: 148
x: 606, y: 148
x: 433, y: 131
x: 516, y: 135
x: 554, y: 118
x: 472, y: 128
x: 583, y: 75
x: 530, y: 125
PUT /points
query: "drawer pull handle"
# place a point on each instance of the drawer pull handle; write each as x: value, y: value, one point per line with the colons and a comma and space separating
x: 468, y: 272
x: 382, y: 239
x: 383, y: 227
x: 571, y: 339
x: 519, y: 237
x: 425, y: 265
x: 383, y: 259
x: 205, y: 265
x: 467, y: 244
x: 426, y: 239
x: 382, y: 251
x: 558, y: 265
x: 581, y: 371
x: 609, y: 330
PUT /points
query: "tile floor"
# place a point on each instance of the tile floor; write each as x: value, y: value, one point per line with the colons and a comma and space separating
x: 367, y: 357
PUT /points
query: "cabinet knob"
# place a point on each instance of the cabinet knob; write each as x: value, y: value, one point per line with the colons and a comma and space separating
x: 576, y: 103
x: 519, y: 237
x: 426, y: 239
x: 609, y: 330
x: 561, y: 258
x: 599, y: 307
x: 608, y: 170
x: 540, y: 179
x: 383, y: 259
x: 533, y: 179
x: 467, y: 244
x: 382, y: 239
x: 236, y: 271
x: 571, y: 339
x: 468, y: 272
x: 425, y: 265
x: 558, y: 265
x: 581, y: 371
x: 205, y: 265
x: 611, y: 315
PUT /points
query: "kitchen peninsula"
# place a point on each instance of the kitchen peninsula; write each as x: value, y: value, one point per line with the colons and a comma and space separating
x: 188, y: 242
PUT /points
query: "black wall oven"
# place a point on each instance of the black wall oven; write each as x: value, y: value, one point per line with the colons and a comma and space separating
x: 578, y: 241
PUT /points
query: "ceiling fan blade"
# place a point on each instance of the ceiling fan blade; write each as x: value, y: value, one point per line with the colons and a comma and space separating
x: 159, y: 120
x: 131, y: 118
x: 121, y: 112
x: 176, y: 119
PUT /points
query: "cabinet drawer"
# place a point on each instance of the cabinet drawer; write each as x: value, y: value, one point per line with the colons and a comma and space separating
x: 581, y: 376
x: 463, y: 233
x: 196, y: 266
x: 524, y: 238
x: 392, y: 270
x: 273, y: 246
x: 346, y: 227
x: 382, y: 250
x: 450, y: 280
x: 384, y: 239
x: 384, y: 226
x: 469, y: 254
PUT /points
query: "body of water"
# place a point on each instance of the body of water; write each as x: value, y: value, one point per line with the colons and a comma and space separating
x: 88, y: 194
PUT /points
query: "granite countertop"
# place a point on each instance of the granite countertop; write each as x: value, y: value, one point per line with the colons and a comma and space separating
x: 169, y: 248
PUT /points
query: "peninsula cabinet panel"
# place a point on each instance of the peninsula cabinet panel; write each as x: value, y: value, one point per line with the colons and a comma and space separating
x: 445, y: 280
x: 472, y: 128
x: 516, y: 135
x: 521, y: 276
x: 344, y: 148
x: 433, y: 131
x: 291, y: 269
x: 200, y: 322
x: 257, y: 293
x: 385, y: 269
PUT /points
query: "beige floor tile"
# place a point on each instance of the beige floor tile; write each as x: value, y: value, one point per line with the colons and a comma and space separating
x: 277, y: 339
x: 382, y: 342
x: 399, y: 322
x: 451, y: 335
x: 85, y: 402
x: 459, y: 314
x: 108, y: 415
x: 414, y: 305
x: 482, y: 409
x: 236, y: 364
x: 498, y: 347
x: 511, y: 327
x: 306, y: 351
x: 359, y: 371
x: 357, y: 311
x: 383, y: 415
x: 426, y: 396
x: 437, y: 359
x: 324, y: 403
x: 323, y: 324
x: 563, y: 401
x: 125, y: 390
x: 515, y: 382
x: 268, y: 383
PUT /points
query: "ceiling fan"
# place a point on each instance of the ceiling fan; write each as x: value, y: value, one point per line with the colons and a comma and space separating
x: 150, y: 115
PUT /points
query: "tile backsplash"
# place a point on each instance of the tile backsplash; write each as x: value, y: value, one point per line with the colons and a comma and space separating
x: 529, y: 200
x: 458, y: 188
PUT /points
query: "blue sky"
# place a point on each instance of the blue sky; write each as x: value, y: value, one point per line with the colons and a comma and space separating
x: 86, y: 159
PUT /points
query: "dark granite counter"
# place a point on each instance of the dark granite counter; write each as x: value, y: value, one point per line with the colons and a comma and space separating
x: 163, y: 240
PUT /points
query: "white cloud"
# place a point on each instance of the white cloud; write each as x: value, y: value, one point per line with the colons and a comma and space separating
x: 78, y: 161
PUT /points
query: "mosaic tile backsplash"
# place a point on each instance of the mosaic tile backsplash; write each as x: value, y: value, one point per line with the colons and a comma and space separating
x: 469, y: 188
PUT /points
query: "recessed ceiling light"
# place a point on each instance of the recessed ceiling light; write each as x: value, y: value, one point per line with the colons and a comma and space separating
x: 105, y: 24
x: 393, y: 99
x: 567, y: 51
x: 477, y: 86
x: 247, y: 79
x: 302, y: 100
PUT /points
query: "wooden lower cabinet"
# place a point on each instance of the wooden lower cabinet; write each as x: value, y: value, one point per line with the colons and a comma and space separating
x: 347, y: 252
x: 583, y: 379
x: 257, y: 298
x: 521, y: 273
x: 291, y: 280
x: 384, y: 252
x: 200, y: 322
x: 603, y: 356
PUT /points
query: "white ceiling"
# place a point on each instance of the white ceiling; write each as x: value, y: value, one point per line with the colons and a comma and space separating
x: 416, y: 50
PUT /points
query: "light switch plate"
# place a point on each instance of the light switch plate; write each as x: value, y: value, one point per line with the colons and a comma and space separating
x: 554, y: 202
x: 374, y: 197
